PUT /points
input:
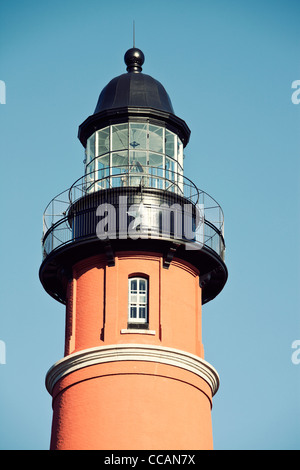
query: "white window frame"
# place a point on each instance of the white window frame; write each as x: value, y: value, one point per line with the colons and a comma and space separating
x: 139, y: 300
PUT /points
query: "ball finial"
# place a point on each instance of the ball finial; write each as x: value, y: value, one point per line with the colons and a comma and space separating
x: 134, y: 59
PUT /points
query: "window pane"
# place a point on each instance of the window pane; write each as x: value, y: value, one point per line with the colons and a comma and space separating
x: 90, y: 168
x: 142, y: 285
x: 103, y: 171
x: 142, y: 312
x: 119, y: 137
x: 90, y: 177
x: 103, y: 166
x: 156, y: 138
x: 120, y: 160
x: 155, y: 160
x: 180, y: 153
x: 103, y: 141
x: 156, y: 171
x: 170, y: 169
x: 132, y: 312
x: 137, y: 168
x: 169, y: 143
x: 90, y: 149
x: 138, y: 136
x: 138, y: 161
x: 119, y: 168
x: 133, y: 285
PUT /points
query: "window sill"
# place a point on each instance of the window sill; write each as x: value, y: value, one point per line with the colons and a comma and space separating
x: 138, y: 331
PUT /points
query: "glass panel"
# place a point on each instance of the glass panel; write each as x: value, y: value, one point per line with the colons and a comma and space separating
x: 180, y: 183
x: 138, y: 168
x: 155, y: 160
x: 90, y: 149
x: 132, y: 312
x: 138, y: 161
x: 90, y: 177
x: 170, y: 143
x: 156, y: 138
x: 119, y: 137
x: 120, y: 168
x: 142, y: 312
x: 120, y: 160
x: 170, y: 175
x: 170, y: 168
x: 142, y: 285
x: 156, y: 171
x: 133, y: 285
x: 103, y: 166
x: 138, y: 136
x: 142, y: 299
x: 103, y: 171
x: 103, y: 141
x: 90, y: 168
x: 180, y: 153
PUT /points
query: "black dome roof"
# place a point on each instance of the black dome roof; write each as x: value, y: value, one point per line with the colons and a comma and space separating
x: 133, y: 95
x: 134, y: 89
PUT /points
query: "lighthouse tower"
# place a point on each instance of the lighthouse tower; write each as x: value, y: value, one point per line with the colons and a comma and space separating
x: 133, y: 249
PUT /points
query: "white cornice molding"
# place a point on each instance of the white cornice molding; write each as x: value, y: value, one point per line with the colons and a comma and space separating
x: 132, y: 352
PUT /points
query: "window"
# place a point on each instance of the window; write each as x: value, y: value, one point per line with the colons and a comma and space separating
x: 138, y: 302
x: 90, y: 149
x: 103, y: 141
x: 134, y: 154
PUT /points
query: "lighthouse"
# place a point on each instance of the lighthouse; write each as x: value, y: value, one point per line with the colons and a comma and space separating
x: 133, y: 249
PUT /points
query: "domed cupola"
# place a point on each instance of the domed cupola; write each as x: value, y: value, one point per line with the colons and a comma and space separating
x: 134, y: 89
x: 130, y: 96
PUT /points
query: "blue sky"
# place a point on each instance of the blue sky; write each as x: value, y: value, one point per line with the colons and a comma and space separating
x: 228, y: 67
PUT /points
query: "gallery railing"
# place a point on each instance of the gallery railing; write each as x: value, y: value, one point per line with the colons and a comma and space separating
x: 60, y: 221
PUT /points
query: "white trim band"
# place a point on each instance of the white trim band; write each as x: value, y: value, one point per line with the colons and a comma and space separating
x: 132, y: 352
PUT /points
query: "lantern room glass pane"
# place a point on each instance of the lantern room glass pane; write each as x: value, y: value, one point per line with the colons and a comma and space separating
x: 119, y: 137
x: 103, y: 141
x: 137, y: 161
x: 103, y: 170
x: 180, y: 153
x: 90, y: 149
x: 155, y: 160
x: 156, y: 171
x: 119, y: 168
x: 170, y: 169
x: 170, y: 175
x: 156, y: 138
x: 137, y: 136
x: 119, y: 159
x: 137, y: 168
x: 170, y: 147
x: 90, y: 177
x: 90, y: 168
